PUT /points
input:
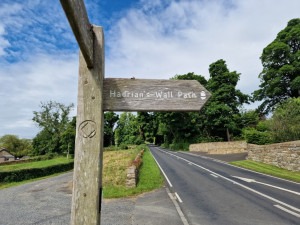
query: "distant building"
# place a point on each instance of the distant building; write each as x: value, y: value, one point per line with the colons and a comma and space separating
x: 6, y: 155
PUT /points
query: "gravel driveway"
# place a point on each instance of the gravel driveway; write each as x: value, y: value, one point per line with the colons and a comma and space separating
x: 48, y: 202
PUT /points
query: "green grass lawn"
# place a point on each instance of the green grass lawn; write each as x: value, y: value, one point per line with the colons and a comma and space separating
x: 268, y: 169
x: 115, y: 164
x: 149, y: 179
x: 36, y: 164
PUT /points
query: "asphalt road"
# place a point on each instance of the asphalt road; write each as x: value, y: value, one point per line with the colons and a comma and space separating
x: 213, y: 192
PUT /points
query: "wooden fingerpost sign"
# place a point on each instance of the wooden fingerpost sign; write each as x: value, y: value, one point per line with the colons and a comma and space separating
x: 96, y: 95
x: 87, y: 178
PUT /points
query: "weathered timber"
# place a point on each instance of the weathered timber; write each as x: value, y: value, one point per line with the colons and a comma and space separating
x: 77, y: 16
x: 87, y: 179
x: 153, y: 95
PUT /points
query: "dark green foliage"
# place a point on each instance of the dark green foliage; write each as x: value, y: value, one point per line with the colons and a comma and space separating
x: 285, y: 122
x: 26, y: 174
x: 16, y: 146
x: 57, y: 134
x: 128, y: 130
x: 68, y: 138
x: 253, y: 136
x: 110, y: 119
x: 182, y: 146
x: 280, y: 78
x: 177, y: 127
x: 222, y: 114
x: 148, y: 127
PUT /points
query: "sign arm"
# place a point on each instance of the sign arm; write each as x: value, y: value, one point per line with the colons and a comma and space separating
x: 77, y: 16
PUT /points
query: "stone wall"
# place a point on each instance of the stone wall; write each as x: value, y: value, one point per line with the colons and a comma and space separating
x: 220, y: 147
x: 133, y: 171
x: 284, y: 155
x: 132, y: 175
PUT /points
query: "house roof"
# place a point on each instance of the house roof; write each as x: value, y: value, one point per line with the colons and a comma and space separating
x: 5, y: 154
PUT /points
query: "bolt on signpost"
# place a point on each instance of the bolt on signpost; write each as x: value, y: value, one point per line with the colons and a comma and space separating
x: 96, y: 95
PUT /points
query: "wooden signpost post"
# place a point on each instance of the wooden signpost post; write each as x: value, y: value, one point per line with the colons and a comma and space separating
x: 96, y: 95
x: 87, y: 178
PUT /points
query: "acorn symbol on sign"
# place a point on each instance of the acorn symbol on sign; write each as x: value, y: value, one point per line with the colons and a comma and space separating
x: 202, y: 95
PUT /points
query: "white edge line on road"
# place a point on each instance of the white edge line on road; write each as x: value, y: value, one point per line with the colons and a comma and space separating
x: 179, y: 211
x: 214, y: 175
x: 239, y: 184
x: 165, y: 175
x: 269, y: 185
x: 226, y: 163
x: 177, y: 196
x: 287, y: 210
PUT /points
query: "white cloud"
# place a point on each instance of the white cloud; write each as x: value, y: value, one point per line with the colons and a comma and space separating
x: 25, y: 85
x: 155, y: 39
x: 187, y: 36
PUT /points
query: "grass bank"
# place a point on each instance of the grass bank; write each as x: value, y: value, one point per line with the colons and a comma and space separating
x: 114, y: 175
x: 268, y: 169
x: 115, y: 164
x: 36, y: 164
x: 21, y: 173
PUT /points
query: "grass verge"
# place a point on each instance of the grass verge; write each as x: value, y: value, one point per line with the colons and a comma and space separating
x: 33, y: 165
x: 13, y: 184
x: 268, y: 169
x: 36, y: 164
x: 149, y: 179
x: 115, y: 165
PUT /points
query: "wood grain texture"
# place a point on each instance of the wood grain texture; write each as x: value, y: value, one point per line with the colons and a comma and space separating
x: 153, y: 95
x: 87, y: 179
x: 77, y: 16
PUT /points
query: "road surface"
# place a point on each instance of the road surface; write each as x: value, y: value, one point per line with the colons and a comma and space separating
x: 212, y: 192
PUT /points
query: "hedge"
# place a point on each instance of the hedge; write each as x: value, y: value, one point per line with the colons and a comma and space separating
x: 26, y: 174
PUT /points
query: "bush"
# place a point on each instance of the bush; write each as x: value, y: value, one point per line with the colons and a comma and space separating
x: 183, y: 146
x: 26, y: 174
x: 123, y: 146
x: 254, y: 136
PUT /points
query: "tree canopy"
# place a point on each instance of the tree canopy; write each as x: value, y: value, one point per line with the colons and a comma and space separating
x: 280, y: 77
x: 18, y: 147
x: 222, y: 111
x: 53, y: 119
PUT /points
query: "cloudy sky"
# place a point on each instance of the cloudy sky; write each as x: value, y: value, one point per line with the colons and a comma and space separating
x: 146, y: 39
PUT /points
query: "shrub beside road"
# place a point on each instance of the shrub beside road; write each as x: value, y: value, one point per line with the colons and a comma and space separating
x: 30, y: 170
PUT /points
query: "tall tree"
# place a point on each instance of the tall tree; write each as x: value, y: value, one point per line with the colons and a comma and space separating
x: 222, y: 110
x: 178, y: 127
x: 127, y: 130
x: 280, y: 77
x: 110, y: 119
x: 285, y: 124
x: 53, y: 119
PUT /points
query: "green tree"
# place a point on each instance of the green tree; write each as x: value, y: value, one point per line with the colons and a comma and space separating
x: 177, y: 127
x: 148, y: 126
x: 280, y: 77
x: 222, y: 111
x: 68, y: 137
x: 18, y: 147
x: 53, y: 119
x: 285, y: 124
x: 110, y: 119
x: 127, y: 130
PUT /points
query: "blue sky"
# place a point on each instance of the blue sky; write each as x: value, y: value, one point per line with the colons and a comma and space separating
x: 146, y: 39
